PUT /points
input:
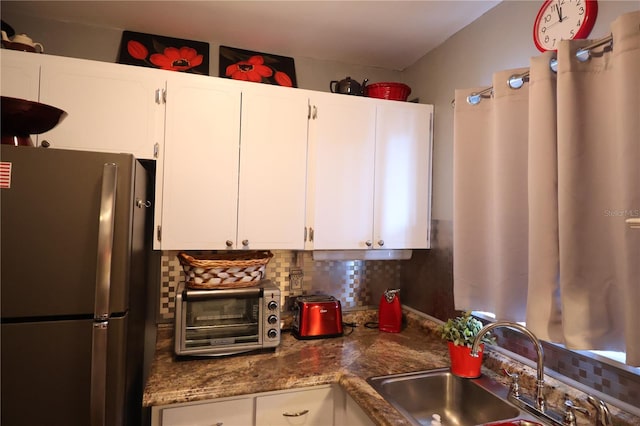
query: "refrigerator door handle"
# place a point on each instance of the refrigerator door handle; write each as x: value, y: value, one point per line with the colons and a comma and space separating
x: 98, y: 396
x: 103, y: 288
x: 105, y: 240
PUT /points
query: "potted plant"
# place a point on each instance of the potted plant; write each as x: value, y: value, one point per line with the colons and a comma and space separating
x: 460, y: 332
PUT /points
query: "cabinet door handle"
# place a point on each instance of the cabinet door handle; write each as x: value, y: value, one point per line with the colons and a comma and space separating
x: 315, y: 112
x: 368, y: 243
x: 381, y: 243
x: 142, y: 203
x: 229, y: 243
x: 296, y: 414
x: 245, y: 242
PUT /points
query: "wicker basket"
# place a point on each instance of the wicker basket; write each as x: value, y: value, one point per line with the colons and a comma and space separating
x: 391, y: 91
x: 224, y: 270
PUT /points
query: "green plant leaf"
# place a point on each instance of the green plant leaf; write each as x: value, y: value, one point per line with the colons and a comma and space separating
x: 463, y: 330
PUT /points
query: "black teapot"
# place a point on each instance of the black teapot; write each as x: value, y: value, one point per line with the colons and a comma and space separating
x: 348, y: 87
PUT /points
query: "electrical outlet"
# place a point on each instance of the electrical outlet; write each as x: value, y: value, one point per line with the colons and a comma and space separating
x: 296, y: 276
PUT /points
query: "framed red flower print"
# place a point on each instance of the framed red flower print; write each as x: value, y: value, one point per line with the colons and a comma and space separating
x: 247, y: 65
x: 162, y: 52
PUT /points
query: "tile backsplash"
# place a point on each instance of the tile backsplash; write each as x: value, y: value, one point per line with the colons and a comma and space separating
x: 356, y: 283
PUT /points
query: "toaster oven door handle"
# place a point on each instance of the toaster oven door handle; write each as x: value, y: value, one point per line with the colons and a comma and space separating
x: 296, y: 414
x: 221, y: 294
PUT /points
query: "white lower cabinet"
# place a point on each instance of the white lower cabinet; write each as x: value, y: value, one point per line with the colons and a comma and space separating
x: 313, y: 407
x: 354, y: 415
x: 234, y: 412
x: 323, y: 405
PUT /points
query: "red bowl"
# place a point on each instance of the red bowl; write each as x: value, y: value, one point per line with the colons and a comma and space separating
x: 21, y: 117
x: 387, y: 90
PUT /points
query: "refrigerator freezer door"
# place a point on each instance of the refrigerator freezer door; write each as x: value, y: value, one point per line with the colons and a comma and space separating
x: 46, y: 375
x: 49, y: 231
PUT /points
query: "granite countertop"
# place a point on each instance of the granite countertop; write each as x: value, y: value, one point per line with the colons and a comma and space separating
x: 348, y: 360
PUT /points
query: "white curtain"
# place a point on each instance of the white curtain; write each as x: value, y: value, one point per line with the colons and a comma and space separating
x: 545, y: 179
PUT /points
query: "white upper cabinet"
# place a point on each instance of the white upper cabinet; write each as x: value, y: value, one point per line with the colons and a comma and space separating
x: 199, y: 166
x: 245, y: 165
x: 341, y: 194
x: 370, y: 174
x: 273, y: 168
x: 234, y: 166
x: 20, y: 76
x: 402, y: 208
x: 110, y: 107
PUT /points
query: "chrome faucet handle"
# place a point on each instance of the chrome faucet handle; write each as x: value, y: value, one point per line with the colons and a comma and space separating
x: 570, y: 412
x: 514, y: 389
x: 603, y: 416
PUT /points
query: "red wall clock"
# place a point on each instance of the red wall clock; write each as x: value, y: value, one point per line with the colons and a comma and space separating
x: 563, y: 20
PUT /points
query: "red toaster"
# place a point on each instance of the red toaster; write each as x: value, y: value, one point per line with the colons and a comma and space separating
x: 316, y: 317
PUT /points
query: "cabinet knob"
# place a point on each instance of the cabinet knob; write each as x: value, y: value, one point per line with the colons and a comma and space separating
x: 229, y: 243
x: 368, y: 243
x: 245, y: 242
x: 381, y: 243
x: 45, y: 144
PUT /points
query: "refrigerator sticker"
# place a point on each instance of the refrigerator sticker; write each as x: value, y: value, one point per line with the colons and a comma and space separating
x: 5, y: 174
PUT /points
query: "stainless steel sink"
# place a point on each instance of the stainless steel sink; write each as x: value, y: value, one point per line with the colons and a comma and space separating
x: 458, y: 402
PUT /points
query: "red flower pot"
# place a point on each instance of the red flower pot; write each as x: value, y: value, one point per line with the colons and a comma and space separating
x: 462, y: 363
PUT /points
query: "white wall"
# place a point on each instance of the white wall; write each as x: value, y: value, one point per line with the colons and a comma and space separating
x: 500, y: 39
x: 102, y: 44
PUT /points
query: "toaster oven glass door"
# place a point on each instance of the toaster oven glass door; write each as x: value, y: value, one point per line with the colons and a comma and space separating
x: 222, y: 321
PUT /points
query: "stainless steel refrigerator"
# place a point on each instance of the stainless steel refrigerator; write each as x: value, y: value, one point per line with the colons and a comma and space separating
x: 74, y: 287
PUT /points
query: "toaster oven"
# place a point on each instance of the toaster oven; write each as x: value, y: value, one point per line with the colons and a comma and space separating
x: 228, y: 321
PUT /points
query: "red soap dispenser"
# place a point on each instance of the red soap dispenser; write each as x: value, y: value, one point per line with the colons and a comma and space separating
x: 390, y: 312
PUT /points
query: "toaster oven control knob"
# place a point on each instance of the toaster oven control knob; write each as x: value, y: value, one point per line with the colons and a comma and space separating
x: 272, y: 319
x: 273, y: 305
x: 272, y: 333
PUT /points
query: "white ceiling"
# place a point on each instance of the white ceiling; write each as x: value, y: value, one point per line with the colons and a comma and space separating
x: 387, y: 34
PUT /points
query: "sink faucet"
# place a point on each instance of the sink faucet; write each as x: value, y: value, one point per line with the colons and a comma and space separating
x: 540, y: 403
x: 603, y: 416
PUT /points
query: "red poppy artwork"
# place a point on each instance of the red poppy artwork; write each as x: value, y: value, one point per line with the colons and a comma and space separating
x: 247, y: 65
x: 165, y: 53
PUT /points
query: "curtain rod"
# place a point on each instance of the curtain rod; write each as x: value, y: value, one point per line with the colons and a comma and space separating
x: 516, y: 81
